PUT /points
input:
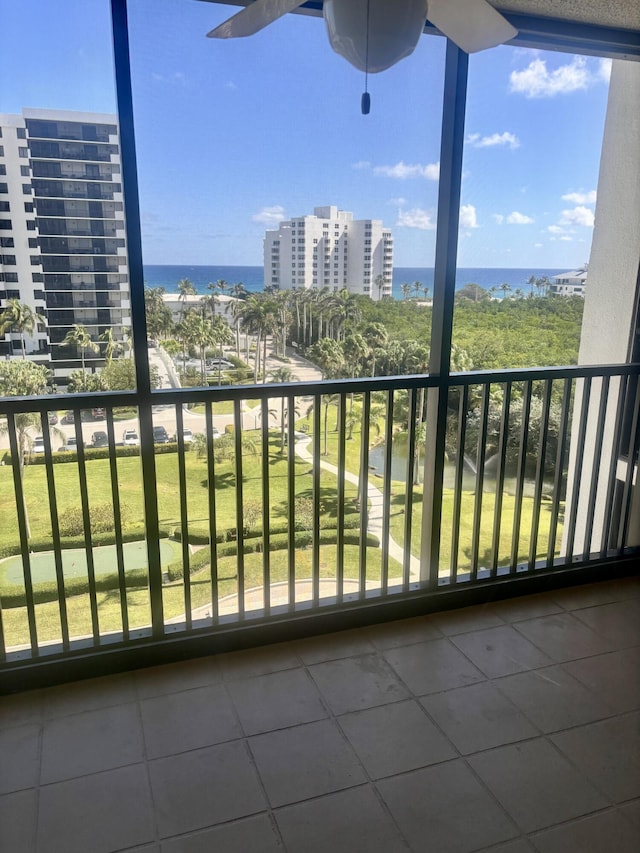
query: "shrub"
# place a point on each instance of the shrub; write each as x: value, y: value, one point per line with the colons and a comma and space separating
x: 100, y: 515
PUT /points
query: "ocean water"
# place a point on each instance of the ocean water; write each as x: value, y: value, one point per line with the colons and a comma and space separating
x: 168, y: 276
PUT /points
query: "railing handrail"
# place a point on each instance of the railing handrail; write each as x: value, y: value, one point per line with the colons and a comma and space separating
x: 173, y: 396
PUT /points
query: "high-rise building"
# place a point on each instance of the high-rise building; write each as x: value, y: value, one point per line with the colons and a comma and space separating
x: 62, y: 249
x: 330, y: 249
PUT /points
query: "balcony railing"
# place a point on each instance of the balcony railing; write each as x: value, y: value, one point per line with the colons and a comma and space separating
x: 297, y: 500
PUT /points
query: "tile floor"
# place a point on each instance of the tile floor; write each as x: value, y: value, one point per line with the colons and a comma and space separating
x: 510, y: 727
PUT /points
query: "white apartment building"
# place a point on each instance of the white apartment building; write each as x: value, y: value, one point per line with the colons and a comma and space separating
x: 330, y: 249
x: 63, y: 249
x: 570, y: 283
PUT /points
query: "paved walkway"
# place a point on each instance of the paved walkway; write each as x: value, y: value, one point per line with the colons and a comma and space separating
x: 376, y: 508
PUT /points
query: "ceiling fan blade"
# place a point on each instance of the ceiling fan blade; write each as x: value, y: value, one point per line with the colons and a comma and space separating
x: 253, y: 18
x: 471, y: 24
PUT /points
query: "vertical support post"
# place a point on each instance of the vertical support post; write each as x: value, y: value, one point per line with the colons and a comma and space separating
x: 453, y: 115
x: 138, y: 316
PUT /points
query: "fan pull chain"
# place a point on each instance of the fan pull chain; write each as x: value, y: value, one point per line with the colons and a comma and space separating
x: 365, y: 103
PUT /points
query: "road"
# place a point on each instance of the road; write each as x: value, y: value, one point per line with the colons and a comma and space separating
x: 302, y: 371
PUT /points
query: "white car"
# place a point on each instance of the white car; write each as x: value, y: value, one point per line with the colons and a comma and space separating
x: 38, y: 444
x: 187, y: 436
x: 130, y: 438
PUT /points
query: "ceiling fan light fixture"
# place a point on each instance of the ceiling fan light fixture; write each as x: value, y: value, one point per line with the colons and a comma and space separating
x: 393, y: 31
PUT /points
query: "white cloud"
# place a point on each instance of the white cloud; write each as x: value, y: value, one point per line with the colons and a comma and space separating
x: 579, y: 215
x: 230, y: 85
x: 555, y: 229
x: 538, y: 245
x: 416, y: 218
x: 468, y: 217
x: 497, y: 217
x: 604, y: 70
x: 404, y: 170
x: 566, y: 238
x: 398, y: 202
x: 581, y: 198
x: 495, y: 139
x: 361, y: 164
x: 517, y: 218
x: 536, y: 81
x: 270, y: 215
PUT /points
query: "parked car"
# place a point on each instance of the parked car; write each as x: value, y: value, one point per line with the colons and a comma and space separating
x: 160, y: 435
x: 98, y: 413
x: 99, y: 439
x: 38, y: 444
x: 68, y: 418
x: 130, y: 438
x: 214, y: 363
x: 187, y: 436
x: 53, y: 418
x: 215, y: 433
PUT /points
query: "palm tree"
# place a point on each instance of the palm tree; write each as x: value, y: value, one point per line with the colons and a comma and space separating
x: 79, y: 337
x: 417, y: 287
x: 505, y: 288
x: 531, y: 281
x: 185, y: 288
x: 376, y: 337
x: 111, y: 346
x: 379, y: 283
x: 426, y: 291
x: 239, y: 293
x: 20, y: 318
x: 405, y: 289
x: 282, y: 374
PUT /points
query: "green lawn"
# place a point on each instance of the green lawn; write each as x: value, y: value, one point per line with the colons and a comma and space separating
x: 109, y: 605
x: 129, y: 484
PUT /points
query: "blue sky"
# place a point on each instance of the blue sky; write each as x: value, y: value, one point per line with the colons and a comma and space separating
x: 233, y: 136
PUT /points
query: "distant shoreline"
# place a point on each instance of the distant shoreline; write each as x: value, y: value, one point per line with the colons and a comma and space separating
x: 168, y: 276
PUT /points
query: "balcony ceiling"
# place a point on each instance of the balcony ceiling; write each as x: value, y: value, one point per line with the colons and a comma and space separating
x: 622, y: 13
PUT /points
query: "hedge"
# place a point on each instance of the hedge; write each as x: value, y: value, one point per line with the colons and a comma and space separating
x: 95, y: 453
x: 277, y: 542
x: 134, y: 534
x: 44, y: 591
x: 14, y: 595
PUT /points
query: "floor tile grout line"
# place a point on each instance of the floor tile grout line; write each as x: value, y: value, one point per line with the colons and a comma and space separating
x: 147, y: 769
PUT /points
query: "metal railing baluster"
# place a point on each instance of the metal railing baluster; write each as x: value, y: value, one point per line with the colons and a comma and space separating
x: 211, y: 500
x: 88, y: 539
x: 184, y: 517
x: 291, y: 503
x: 386, y: 493
x: 624, y: 385
x: 480, y: 461
x: 520, y: 478
x: 315, y: 474
x: 342, y: 465
x: 237, y: 425
x: 503, y: 441
x: 539, y: 475
x: 408, y: 494
x: 559, y: 470
x: 55, y: 531
x: 364, y: 493
x: 463, y: 405
x: 577, y: 474
x: 595, y: 465
x: 266, y: 516
x: 117, y: 522
x: 21, y: 511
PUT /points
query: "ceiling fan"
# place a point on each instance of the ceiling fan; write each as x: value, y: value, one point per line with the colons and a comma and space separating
x: 375, y: 34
